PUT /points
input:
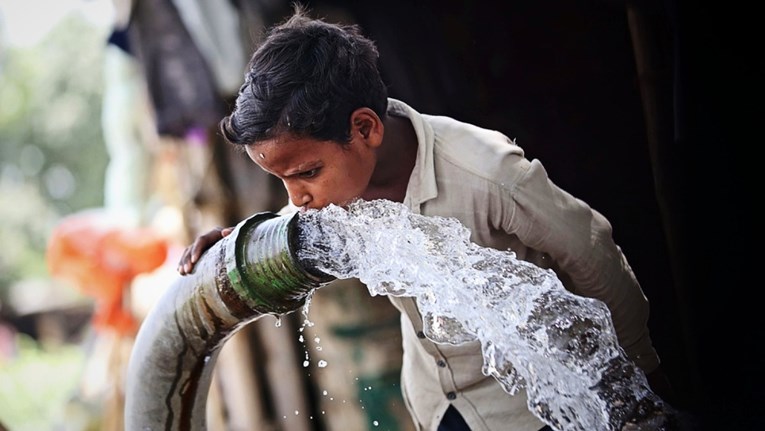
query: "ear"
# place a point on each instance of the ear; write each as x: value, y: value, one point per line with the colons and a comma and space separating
x: 367, y: 126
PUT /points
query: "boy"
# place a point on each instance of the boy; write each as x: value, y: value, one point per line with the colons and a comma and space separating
x: 314, y: 112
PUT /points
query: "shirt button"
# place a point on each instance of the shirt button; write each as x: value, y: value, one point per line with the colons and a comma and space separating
x: 441, y: 363
x: 420, y: 334
x: 451, y: 396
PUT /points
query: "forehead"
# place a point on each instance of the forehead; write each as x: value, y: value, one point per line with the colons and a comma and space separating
x: 285, y: 154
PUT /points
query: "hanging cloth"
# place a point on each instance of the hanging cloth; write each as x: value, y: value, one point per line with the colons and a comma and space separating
x: 214, y: 25
x: 181, y: 85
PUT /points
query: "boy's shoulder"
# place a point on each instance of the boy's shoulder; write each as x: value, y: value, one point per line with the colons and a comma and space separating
x: 466, y: 149
x: 451, y: 135
x: 466, y: 146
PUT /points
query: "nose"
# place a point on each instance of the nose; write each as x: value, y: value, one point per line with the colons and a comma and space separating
x: 298, y: 196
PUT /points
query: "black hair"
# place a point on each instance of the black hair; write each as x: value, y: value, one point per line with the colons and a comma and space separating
x: 306, y: 78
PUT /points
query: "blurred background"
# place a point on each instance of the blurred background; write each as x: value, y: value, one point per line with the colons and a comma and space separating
x: 110, y: 164
x: 52, y: 163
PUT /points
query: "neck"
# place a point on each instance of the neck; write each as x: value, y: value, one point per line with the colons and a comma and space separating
x: 395, y: 161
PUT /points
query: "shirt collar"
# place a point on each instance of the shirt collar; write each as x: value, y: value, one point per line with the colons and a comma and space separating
x: 422, y: 182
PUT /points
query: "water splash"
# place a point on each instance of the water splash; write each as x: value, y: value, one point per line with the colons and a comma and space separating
x: 534, y: 334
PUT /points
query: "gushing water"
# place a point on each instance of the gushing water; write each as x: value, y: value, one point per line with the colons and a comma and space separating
x: 534, y: 334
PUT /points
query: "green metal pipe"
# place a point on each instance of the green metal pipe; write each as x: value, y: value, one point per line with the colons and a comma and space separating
x: 250, y: 273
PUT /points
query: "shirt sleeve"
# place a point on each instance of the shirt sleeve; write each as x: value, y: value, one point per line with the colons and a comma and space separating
x: 579, y: 241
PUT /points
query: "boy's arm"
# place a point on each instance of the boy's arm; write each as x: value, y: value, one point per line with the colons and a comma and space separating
x: 579, y: 241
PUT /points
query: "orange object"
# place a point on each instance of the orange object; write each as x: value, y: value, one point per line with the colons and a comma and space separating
x: 102, y: 258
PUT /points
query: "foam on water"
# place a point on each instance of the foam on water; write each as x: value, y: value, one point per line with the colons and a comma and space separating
x: 534, y: 334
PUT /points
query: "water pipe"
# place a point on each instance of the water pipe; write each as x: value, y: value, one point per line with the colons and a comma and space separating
x: 250, y: 273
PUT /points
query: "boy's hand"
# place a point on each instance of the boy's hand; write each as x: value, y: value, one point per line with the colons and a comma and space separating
x: 193, y: 252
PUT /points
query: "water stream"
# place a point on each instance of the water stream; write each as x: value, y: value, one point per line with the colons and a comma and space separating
x: 534, y: 334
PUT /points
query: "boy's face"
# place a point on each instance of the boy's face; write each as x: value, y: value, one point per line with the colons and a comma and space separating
x: 317, y: 173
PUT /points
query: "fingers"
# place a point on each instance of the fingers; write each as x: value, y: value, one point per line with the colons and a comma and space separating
x: 184, y: 265
x: 194, y: 252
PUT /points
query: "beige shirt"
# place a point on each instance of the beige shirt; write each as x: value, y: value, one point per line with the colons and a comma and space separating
x: 481, y: 178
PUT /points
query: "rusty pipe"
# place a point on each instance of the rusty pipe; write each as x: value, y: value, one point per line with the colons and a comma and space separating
x: 250, y: 273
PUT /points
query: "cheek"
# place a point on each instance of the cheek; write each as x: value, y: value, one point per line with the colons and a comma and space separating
x: 356, y: 179
x: 339, y: 188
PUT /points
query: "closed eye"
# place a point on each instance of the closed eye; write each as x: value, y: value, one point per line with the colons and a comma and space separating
x: 309, y: 173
